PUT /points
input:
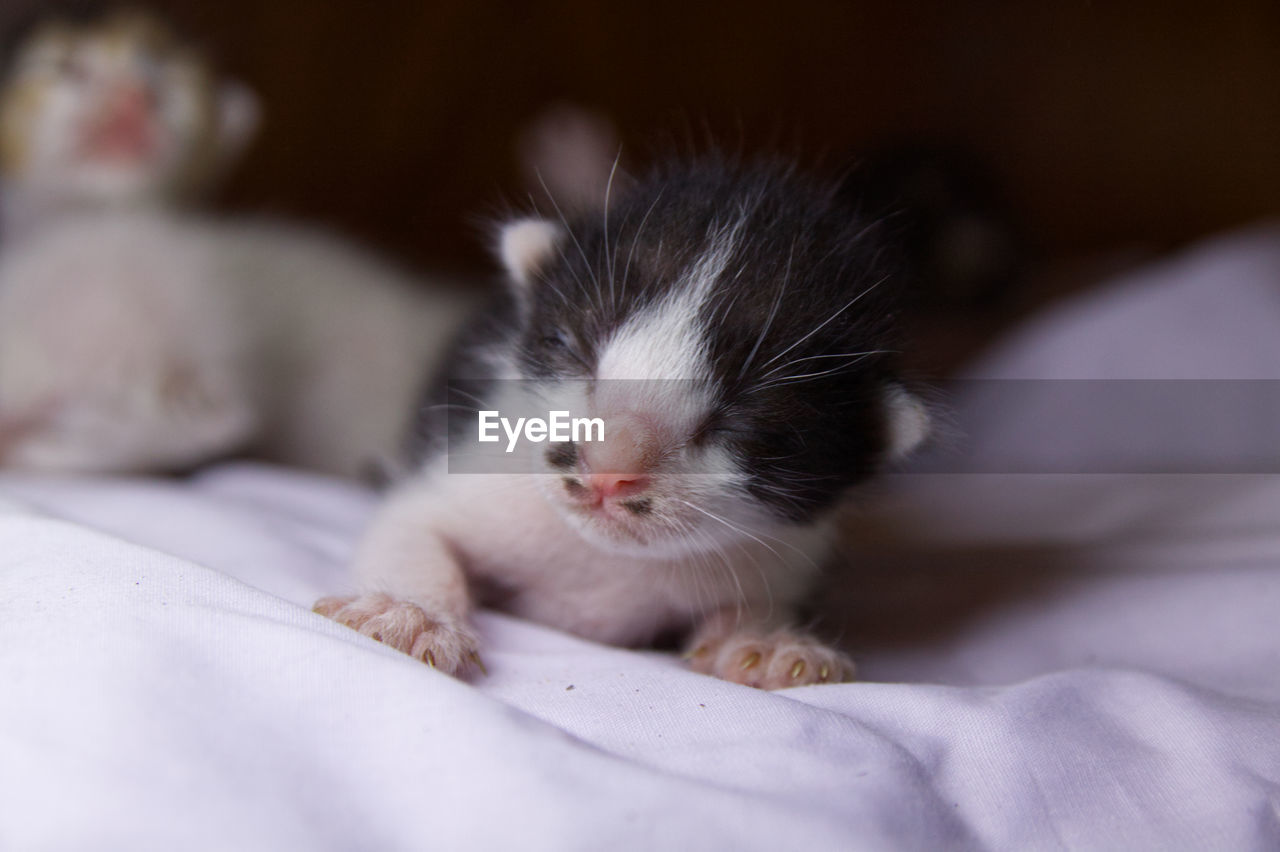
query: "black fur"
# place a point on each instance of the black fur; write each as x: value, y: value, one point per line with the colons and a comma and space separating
x: 960, y: 233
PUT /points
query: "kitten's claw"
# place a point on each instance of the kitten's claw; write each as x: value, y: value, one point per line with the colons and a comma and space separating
x: 438, y: 641
x: 694, y: 653
x: 771, y: 661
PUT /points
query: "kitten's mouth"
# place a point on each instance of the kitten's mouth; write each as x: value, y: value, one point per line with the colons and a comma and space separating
x: 616, y: 520
x: 625, y: 522
x: 125, y: 139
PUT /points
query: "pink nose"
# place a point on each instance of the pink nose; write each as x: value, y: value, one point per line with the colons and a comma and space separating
x: 619, y: 466
x: 629, y: 448
x: 618, y: 485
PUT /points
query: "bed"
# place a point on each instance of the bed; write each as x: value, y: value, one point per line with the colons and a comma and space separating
x: 1049, y: 660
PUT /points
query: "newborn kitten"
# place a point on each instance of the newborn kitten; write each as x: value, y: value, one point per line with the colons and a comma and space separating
x: 113, y: 113
x: 135, y: 337
x: 733, y: 327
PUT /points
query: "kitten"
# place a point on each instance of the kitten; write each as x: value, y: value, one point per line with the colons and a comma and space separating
x: 113, y: 113
x: 734, y: 328
x: 138, y: 337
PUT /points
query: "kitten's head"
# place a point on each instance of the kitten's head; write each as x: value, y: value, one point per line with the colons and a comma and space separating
x: 117, y: 111
x: 734, y: 328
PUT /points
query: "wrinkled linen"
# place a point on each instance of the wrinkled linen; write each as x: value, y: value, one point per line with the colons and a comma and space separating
x: 1049, y: 661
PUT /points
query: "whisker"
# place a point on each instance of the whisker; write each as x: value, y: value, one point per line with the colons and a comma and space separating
x: 725, y: 565
x: 780, y: 541
x: 777, y: 302
x: 839, y: 355
x: 696, y: 575
x: 577, y: 279
x: 636, y: 239
x: 764, y: 579
x: 804, y: 377
x: 569, y: 231
x: 613, y: 300
x: 452, y: 389
x: 827, y: 321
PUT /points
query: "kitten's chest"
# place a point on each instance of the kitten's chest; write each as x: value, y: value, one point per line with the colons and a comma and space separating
x: 523, y: 558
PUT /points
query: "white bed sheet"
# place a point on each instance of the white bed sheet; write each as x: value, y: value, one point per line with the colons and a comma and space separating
x: 163, y: 684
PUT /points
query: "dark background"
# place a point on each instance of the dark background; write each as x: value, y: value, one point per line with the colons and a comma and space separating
x: 1110, y: 124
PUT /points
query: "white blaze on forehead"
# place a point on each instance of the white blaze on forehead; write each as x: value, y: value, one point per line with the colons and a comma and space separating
x: 657, y: 362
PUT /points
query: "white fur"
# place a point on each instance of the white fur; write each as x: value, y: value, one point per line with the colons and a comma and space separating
x: 526, y: 245
x: 909, y: 422
x: 148, y: 341
x: 656, y: 364
x: 501, y: 528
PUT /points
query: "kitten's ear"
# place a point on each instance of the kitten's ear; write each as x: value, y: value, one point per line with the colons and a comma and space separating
x: 571, y: 154
x: 239, y: 115
x: 526, y: 246
x: 908, y: 421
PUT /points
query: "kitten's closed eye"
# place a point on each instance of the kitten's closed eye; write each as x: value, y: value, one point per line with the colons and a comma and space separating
x: 562, y: 353
x: 710, y: 430
x: 556, y: 340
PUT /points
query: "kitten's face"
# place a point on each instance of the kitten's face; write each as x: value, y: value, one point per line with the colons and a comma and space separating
x: 740, y: 387
x: 117, y: 112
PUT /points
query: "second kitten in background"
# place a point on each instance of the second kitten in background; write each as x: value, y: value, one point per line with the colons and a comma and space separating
x: 136, y: 336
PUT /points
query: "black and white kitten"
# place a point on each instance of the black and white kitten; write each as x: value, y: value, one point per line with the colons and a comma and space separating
x: 734, y: 328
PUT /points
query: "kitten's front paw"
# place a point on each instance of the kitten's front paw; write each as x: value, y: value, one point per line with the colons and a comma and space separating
x: 771, y: 661
x: 407, y: 627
